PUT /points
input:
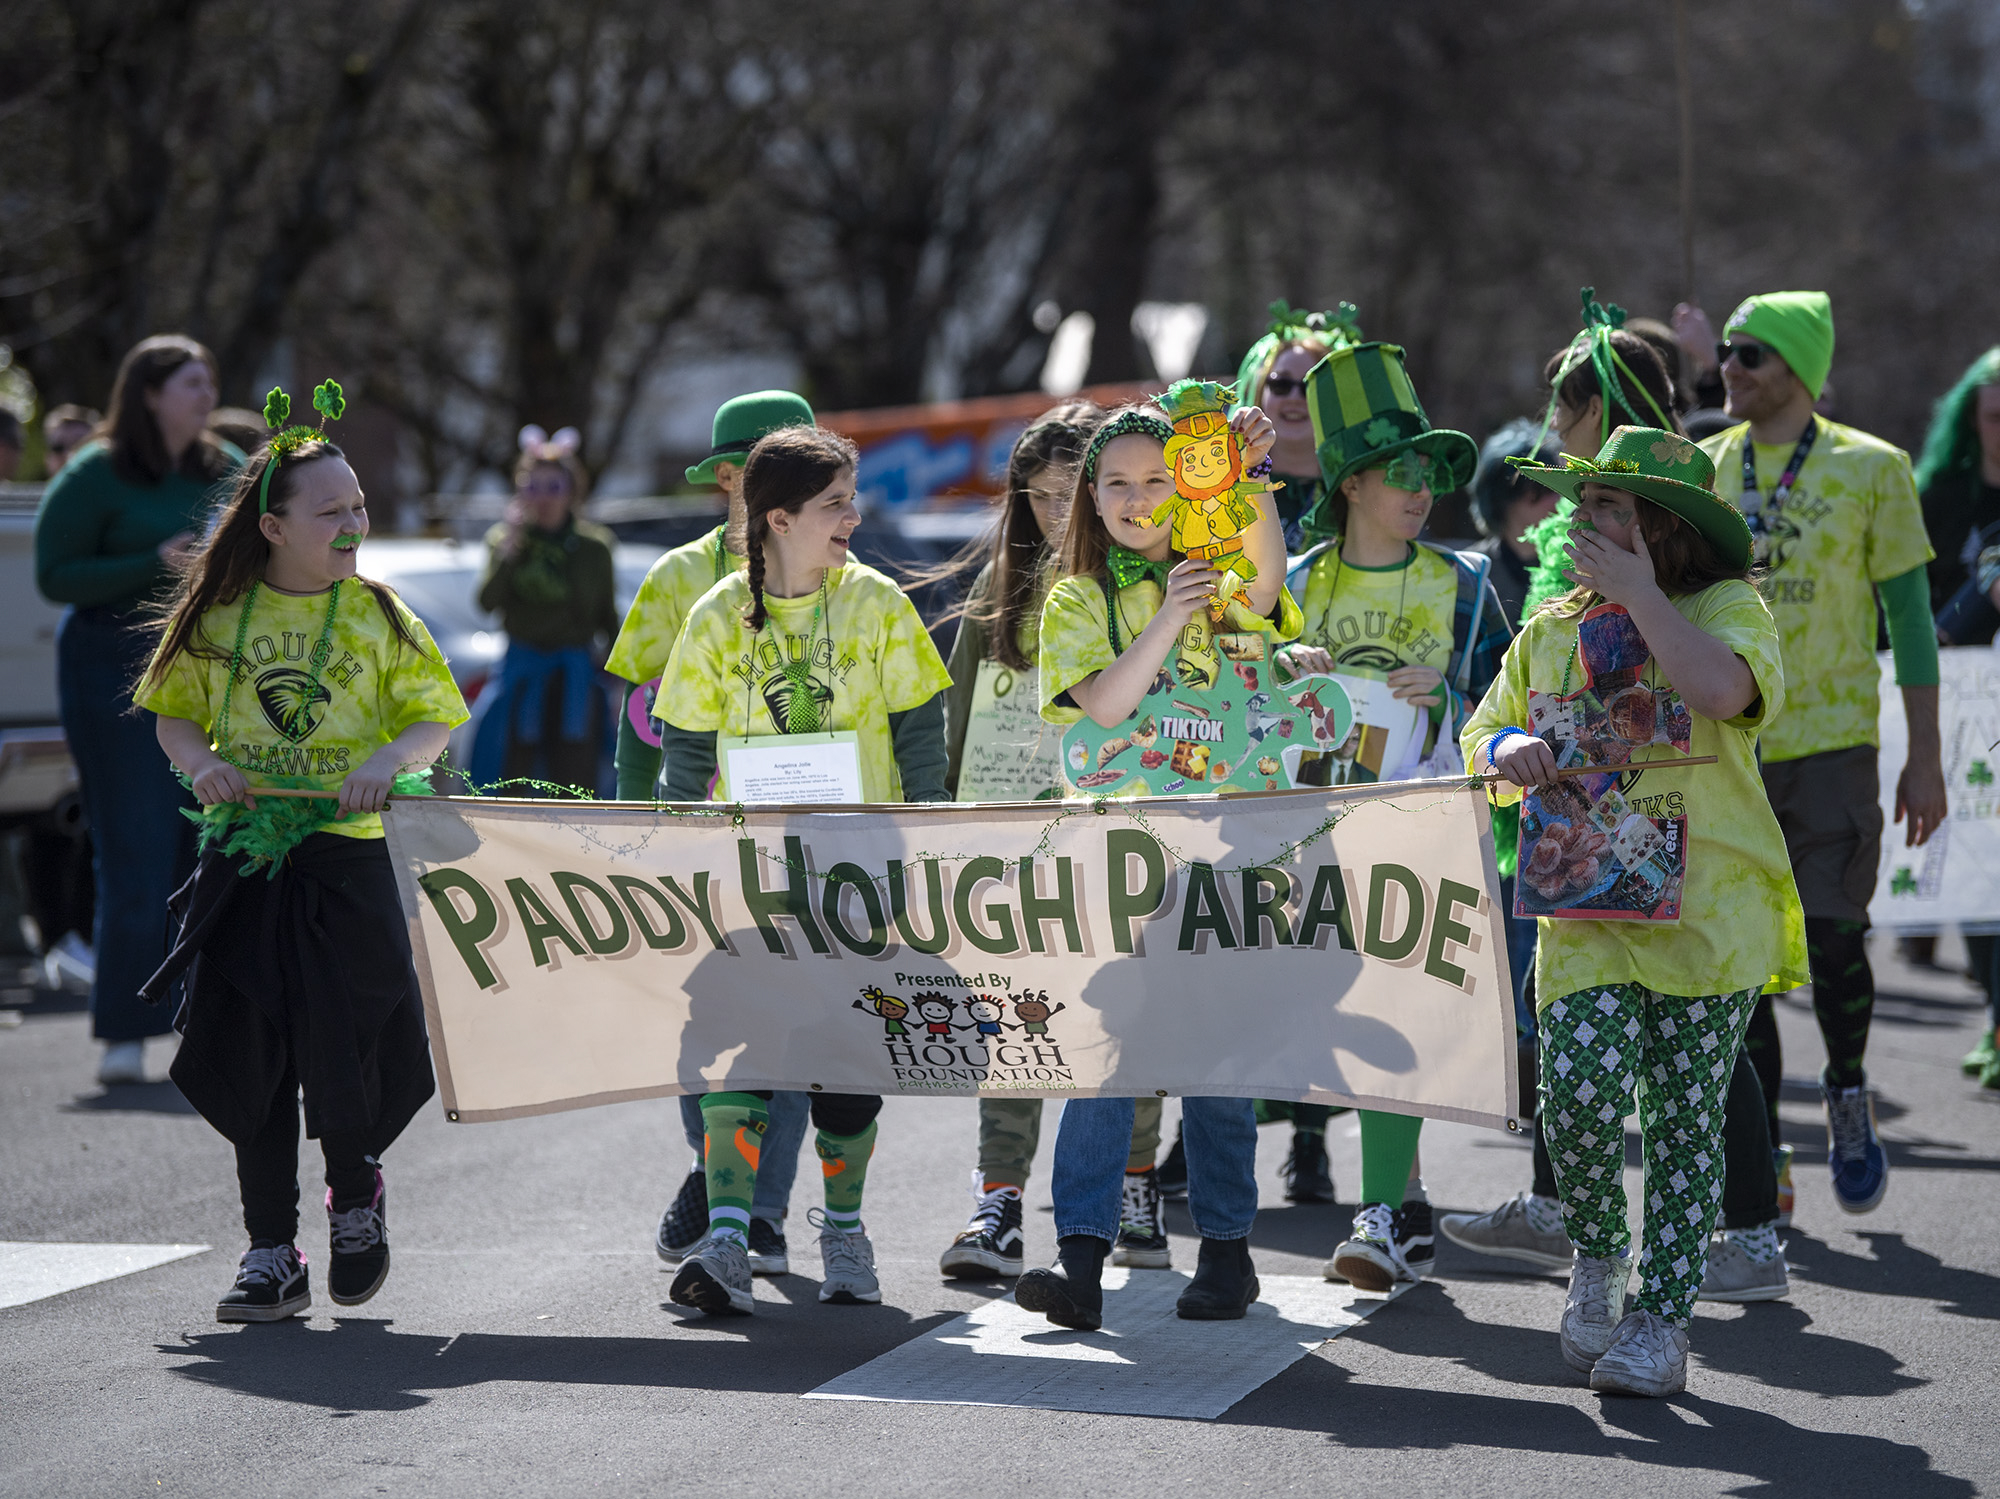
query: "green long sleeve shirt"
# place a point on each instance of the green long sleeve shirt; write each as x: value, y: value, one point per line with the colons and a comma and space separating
x: 557, y: 590
x: 97, y: 536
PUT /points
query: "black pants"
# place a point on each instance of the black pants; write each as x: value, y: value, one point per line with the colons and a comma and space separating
x: 267, y: 1170
x: 1750, y: 1176
x: 841, y: 1115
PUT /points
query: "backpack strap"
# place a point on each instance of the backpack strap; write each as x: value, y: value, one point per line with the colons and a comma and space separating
x: 1473, y: 570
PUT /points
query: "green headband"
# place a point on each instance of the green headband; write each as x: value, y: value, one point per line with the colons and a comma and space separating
x: 1125, y: 424
x: 1593, y: 343
x: 327, y: 401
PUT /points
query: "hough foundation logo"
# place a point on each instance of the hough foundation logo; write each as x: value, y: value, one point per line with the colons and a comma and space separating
x: 935, y: 1042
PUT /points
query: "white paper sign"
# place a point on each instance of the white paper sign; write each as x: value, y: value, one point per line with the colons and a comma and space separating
x: 796, y: 768
x: 1387, y: 736
x: 1010, y: 755
x: 1955, y: 877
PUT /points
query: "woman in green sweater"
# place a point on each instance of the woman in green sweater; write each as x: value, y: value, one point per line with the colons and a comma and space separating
x: 112, y: 527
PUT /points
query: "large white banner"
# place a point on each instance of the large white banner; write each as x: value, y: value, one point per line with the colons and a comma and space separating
x: 1338, y: 947
x: 1955, y: 877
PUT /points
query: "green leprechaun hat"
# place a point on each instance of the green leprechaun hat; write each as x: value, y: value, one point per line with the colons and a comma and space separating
x: 1660, y: 466
x: 1365, y: 412
x: 742, y: 421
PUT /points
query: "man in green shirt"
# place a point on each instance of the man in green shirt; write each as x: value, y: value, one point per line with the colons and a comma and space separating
x: 1835, y: 516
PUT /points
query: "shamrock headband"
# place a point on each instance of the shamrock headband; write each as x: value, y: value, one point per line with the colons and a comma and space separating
x: 327, y: 401
x: 1124, y: 424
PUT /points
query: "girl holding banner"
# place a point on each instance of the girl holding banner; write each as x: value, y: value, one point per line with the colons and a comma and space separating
x: 1666, y: 895
x: 806, y: 677
x: 1123, y: 605
x: 1414, y: 633
x: 281, y: 667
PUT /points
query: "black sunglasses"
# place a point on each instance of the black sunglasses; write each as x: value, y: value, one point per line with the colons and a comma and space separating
x: 1283, y: 385
x: 1750, y: 356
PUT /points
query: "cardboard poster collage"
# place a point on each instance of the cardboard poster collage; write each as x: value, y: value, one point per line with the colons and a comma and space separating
x: 1586, y: 852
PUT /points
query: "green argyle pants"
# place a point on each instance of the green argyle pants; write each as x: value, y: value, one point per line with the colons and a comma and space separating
x: 1598, y: 1047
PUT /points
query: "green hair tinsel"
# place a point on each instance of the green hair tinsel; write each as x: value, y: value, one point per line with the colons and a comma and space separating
x: 280, y: 824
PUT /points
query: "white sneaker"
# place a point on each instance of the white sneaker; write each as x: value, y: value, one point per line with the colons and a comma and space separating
x: 1509, y: 1233
x: 1648, y: 1357
x: 715, y: 1277
x: 123, y: 1062
x: 1371, y: 1259
x: 849, y: 1261
x: 1594, y: 1309
x: 1733, y: 1275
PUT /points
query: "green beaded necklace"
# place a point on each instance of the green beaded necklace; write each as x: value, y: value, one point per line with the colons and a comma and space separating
x: 320, y: 654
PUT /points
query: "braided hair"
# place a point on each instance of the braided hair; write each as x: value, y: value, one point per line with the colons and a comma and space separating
x: 784, y: 470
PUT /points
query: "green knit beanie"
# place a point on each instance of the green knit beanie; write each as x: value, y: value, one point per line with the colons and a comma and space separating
x: 1798, y: 324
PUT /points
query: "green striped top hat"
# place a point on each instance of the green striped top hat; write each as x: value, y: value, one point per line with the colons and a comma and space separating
x: 1660, y: 466
x: 742, y: 421
x: 1365, y: 412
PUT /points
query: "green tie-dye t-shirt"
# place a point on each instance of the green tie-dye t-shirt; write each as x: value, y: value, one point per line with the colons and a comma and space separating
x: 1852, y: 520
x: 867, y: 657
x: 1375, y: 619
x: 1076, y: 633
x: 673, y: 586
x: 1741, y: 924
x: 282, y: 723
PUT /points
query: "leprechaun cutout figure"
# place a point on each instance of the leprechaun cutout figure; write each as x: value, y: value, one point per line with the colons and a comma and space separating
x: 1210, y: 508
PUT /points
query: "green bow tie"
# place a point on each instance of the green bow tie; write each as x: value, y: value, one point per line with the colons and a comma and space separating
x: 1128, y: 567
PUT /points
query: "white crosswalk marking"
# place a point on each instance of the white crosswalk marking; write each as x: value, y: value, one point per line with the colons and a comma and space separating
x: 32, y: 1272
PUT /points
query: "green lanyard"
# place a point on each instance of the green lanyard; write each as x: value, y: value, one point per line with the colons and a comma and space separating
x: 321, y: 653
x: 802, y: 711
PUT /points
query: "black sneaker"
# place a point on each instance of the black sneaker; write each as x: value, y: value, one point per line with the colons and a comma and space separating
x: 1142, y: 1229
x: 360, y: 1240
x: 991, y: 1242
x: 271, y: 1285
x: 1071, y: 1292
x: 1414, y: 1236
x: 1308, y: 1178
x: 683, y: 1224
x: 767, y: 1246
x: 1173, y: 1171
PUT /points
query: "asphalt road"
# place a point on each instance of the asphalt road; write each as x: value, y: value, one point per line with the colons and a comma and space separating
x: 524, y: 1344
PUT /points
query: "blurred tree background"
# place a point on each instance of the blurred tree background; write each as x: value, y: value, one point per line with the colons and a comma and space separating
x: 479, y: 215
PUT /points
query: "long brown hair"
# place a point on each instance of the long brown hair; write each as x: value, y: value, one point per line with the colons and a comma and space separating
x: 138, y: 452
x: 1684, y: 560
x: 232, y: 560
x: 1084, y: 544
x: 784, y: 470
x: 1018, y: 551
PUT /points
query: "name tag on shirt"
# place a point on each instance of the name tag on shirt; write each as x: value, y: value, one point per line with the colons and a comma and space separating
x: 792, y: 768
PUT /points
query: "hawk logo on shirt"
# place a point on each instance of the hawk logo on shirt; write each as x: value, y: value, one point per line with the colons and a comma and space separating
x: 293, y: 703
x: 779, y: 692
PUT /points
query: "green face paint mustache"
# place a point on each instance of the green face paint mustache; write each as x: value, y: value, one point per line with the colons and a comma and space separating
x: 347, y: 543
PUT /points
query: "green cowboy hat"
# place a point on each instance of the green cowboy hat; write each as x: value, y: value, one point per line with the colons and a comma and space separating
x: 1365, y: 412
x: 742, y: 421
x: 1662, y: 467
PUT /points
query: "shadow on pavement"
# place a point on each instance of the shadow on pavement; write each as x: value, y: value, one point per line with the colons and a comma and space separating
x: 1686, y: 1433
x: 161, y: 1097
x: 363, y: 1364
x: 1897, y: 1269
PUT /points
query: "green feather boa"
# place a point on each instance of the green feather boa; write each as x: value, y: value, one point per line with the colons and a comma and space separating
x: 280, y: 824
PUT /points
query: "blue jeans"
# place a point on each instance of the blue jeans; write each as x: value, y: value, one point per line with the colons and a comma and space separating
x: 141, y: 846
x: 1522, y: 936
x: 1095, y: 1137
x: 783, y: 1135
